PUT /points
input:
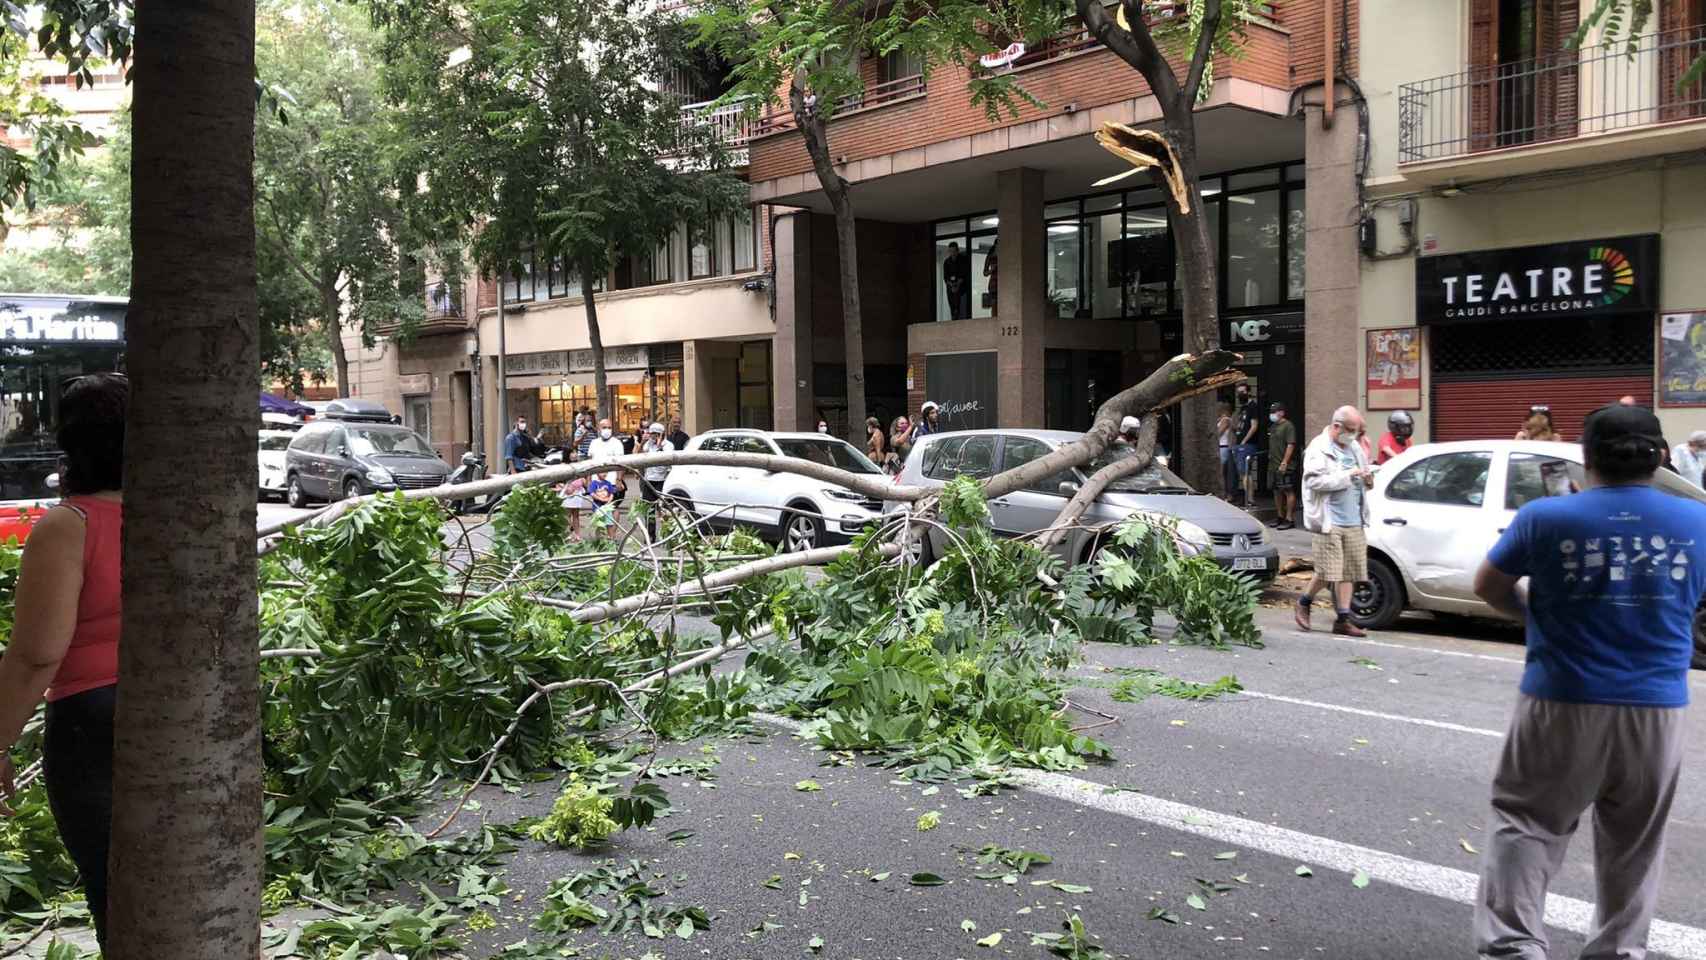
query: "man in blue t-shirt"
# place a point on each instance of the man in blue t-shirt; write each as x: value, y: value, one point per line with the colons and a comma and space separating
x: 1615, y: 574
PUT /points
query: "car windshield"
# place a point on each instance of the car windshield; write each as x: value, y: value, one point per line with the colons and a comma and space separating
x: 1154, y: 479
x: 372, y: 441
x: 276, y: 443
x: 835, y: 453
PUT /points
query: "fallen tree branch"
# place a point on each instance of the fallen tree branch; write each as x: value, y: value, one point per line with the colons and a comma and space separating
x: 1140, y: 459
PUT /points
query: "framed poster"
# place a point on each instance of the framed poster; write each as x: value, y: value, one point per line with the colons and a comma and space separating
x: 1682, y: 359
x: 1394, y: 378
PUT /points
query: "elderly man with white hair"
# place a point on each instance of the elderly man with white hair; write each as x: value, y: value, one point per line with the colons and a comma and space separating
x: 1689, y: 458
x: 1336, y: 476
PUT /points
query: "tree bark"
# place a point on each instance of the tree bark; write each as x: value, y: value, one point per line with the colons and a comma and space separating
x: 814, y: 130
x: 600, y: 379
x: 185, y: 867
x: 1200, y: 285
x: 330, y: 304
x: 1141, y: 457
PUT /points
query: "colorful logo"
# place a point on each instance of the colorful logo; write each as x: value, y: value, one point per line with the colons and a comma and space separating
x: 1620, y: 273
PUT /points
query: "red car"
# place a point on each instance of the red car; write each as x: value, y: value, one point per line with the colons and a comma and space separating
x: 17, y: 518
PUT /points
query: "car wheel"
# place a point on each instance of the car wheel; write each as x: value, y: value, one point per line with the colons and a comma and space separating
x: 352, y: 488
x: 1377, y: 602
x: 801, y: 531
x: 916, y: 547
x: 293, y: 493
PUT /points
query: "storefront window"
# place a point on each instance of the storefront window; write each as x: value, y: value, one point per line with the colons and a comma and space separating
x: 1104, y: 272
x: 1252, y: 249
x: 969, y: 295
x: 1295, y: 207
x: 1146, y: 257
x: 1064, y: 265
x: 665, y: 388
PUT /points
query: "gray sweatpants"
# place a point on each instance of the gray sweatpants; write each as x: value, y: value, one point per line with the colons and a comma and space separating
x: 1560, y: 759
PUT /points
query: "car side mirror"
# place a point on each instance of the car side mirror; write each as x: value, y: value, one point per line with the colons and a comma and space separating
x: 52, y: 481
x: 1069, y: 488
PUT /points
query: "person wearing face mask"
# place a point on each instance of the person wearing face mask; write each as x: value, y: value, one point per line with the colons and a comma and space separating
x: 1282, y: 465
x: 518, y: 446
x: 1336, y: 476
x: 1689, y: 459
x: 823, y: 426
x: 1247, y: 427
x: 606, y: 487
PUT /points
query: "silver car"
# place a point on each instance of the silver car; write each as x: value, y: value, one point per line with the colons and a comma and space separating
x: 1237, y: 540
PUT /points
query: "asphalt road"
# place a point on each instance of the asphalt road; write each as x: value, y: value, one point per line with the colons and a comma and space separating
x: 1341, y: 756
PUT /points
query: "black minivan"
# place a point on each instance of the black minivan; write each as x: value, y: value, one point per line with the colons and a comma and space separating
x: 358, y: 448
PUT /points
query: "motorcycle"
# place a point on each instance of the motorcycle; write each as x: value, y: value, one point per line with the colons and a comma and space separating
x: 472, y: 468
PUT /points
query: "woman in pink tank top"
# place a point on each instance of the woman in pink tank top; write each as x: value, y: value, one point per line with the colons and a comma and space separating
x: 66, y: 631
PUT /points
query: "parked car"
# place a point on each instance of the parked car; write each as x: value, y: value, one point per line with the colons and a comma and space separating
x: 1237, y: 540
x: 798, y: 512
x: 1436, y: 510
x: 273, y: 445
x: 354, y: 450
x: 18, y: 517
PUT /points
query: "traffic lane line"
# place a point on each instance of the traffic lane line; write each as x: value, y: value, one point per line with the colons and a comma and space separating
x: 1446, y: 883
x: 1378, y: 714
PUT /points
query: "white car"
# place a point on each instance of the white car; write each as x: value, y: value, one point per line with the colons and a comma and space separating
x: 798, y: 512
x: 1436, y: 510
x: 273, y: 443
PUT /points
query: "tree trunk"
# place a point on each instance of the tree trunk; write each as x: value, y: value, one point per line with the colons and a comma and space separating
x: 600, y: 380
x: 330, y: 305
x: 1199, y: 291
x: 186, y: 828
x: 815, y: 132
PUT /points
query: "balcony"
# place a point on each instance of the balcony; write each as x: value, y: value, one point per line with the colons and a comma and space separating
x: 1572, y: 108
x: 876, y: 95
x: 444, y: 314
x: 732, y: 123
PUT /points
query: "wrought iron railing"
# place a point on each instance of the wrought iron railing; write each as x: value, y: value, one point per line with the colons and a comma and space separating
x: 443, y: 301
x: 1597, y: 89
x: 732, y: 121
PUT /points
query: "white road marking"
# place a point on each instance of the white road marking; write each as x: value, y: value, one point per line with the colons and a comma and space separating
x: 1339, y: 708
x: 1405, y: 646
x: 1446, y: 883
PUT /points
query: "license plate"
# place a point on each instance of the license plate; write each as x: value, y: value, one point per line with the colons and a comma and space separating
x: 1250, y: 563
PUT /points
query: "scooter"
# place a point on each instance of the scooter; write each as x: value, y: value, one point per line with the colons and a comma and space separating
x: 473, y: 468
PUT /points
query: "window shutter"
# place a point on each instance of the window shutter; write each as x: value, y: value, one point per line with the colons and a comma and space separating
x: 1558, y: 89
x: 1682, y: 38
x: 1483, y: 71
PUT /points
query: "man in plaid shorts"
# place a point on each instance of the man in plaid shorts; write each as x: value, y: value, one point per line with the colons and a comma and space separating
x: 1336, y: 477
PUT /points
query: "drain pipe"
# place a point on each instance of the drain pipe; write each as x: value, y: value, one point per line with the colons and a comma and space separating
x: 1329, y: 67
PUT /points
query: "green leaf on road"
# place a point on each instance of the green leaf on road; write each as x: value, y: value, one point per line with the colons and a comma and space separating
x: 1360, y: 880
x: 775, y: 881
x: 968, y: 925
x: 928, y: 821
x: 1195, y: 902
x: 1163, y: 915
x: 1303, y: 871
x: 925, y: 880
x: 992, y: 940
x: 815, y: 944
x: 808, y: 786
x: 1226, y: 855
x: 880, y: 877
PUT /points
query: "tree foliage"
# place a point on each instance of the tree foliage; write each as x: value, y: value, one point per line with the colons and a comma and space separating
x: 1627, y: 20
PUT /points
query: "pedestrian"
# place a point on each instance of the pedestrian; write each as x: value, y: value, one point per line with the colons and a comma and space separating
x: 1335, y: 509
x: 1538, y: 426
x: 518, y: 446
x: 1615, y: 574
x: 1246, y: 427
x: 900, y: 444
x: 606, y: 487
x: 1282, y: 465
x: 992, y: 278
x: 677, y: 436
x: 823, y: 426
x: 1223, y: 433
x: 66, y: 632
x: 927, y: 420
x: 876, y: 442
x: 574, y: 501
x: 1399, y: 428
x: 653, y: 478
x: 1689, y: 459
x: 584, y: 437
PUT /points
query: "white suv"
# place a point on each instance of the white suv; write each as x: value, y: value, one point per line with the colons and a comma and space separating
x: 797, y: 511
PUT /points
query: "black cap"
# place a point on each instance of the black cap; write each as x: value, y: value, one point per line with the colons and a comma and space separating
x: 1276, y: 405
x: 1614, y: 422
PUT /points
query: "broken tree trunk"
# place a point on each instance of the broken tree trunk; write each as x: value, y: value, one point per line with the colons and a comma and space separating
x: 1143, y: 455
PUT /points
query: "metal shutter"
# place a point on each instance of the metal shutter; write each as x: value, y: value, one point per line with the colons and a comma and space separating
x: 1495, y: 409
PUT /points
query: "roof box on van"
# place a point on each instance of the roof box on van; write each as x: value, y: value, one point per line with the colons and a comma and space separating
x: 357, y: 409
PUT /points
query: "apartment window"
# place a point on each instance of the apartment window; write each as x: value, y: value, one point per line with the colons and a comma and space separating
x: 743, y: 242
x: 901, y: 64
x: 701, y: 251
x: 519, y: 282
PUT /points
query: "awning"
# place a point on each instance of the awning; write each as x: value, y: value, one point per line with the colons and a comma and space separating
x: 534, y: 380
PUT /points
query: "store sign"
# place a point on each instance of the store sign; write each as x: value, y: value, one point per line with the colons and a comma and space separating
x: 549, y: 362
x: 416, y: 383
x: 65, y: 321
x: 1279, y: 328
x: 615, y: 358
x: 1585, y: 278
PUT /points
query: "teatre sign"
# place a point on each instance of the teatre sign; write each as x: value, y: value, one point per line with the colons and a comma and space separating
x: 71, y: 324
x: 1579, y: 279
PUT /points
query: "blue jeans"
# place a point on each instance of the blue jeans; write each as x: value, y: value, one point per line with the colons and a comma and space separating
x: 1244, y: 456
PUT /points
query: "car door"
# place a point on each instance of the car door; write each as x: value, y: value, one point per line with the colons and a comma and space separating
x: 706, y: 484
x: 1441, y: 514
x: 1031, y: 508
x: 310, y: 467
x: 757, y: 493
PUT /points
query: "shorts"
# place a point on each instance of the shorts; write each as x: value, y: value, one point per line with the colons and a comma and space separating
x: 1244, y: 458
x: 1285, y: 480
x: 1341, y: 555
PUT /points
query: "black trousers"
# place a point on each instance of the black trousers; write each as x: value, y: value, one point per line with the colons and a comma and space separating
x: 77, y: 764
